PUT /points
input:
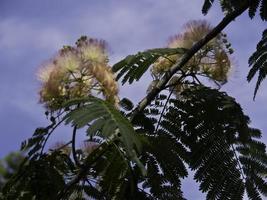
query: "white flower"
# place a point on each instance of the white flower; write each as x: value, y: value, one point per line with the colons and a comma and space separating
x: 44, y: 73
x: 68, y: 61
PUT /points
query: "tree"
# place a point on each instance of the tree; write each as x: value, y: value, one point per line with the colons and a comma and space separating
x: 142, y: 152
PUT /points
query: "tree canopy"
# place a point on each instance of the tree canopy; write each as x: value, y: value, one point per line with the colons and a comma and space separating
x: 143, y: 151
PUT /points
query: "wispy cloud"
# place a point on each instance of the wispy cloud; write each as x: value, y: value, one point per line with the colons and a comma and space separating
x: 17, y: 35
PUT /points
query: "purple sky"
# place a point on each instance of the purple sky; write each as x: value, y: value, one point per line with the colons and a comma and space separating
x: 32, y: 31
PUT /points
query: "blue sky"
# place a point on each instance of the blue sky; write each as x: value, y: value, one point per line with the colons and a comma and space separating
x: 31, y: 31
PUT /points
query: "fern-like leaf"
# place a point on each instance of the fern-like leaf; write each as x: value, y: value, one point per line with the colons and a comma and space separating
x: 253, y: 8
x: 222, y: 152
x: 258, y: 62
x: 263, y: 10
x: 134, y: 66
x: 106, y: 119
x: 39, y: 179
x: 113, y: 179
x: 229, y: 6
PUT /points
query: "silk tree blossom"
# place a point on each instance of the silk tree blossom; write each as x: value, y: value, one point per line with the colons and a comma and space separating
x: 92, y: 50
x: 44, y: 72
x: 77, y: 72
x: 68, y: 60
x: 212, y: 60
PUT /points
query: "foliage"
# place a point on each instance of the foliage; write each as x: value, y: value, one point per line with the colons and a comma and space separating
x: 144, y: 152
x: 258, y: 62
x: 8, y: 166
x: 230, y: 5
x: 213, y: 127
x: 104, y: 121
x: 134, y: 66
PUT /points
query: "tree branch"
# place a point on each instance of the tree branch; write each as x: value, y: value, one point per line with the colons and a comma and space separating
x: 186, y: 57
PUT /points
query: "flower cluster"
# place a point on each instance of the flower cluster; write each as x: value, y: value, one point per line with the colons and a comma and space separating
x: 212, y: 60
x: 78, y: 72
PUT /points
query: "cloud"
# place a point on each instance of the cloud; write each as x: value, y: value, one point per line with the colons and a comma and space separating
x: 17, y: 35
x: 134, y: 26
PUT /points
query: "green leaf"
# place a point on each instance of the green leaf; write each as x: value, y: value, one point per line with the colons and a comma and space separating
x: 229, y: 6
x: 126, y: 104
x: 263, y: 10
x: 253, y: 8
x: 258, y: 62
x: 114, y: 177
x: 105, y: 118
x: 215, y: 131
x: 95, y: 127
x: 39, y: 179
x: 252, y: 192
x: 134, y: 66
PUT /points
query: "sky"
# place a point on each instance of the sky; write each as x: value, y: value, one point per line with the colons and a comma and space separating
x: 31, y: 32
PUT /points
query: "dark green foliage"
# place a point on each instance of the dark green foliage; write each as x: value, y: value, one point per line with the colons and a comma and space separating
x: 164, y: 159
x: 263, y: 10
x: 126, y: 104
x: 206, y: 6
x: 145, y: 123
x: 204, y: 129
x: 258, y: 62
x: 214, y: 129
x: 162, y: 155
x: 134, y: 66
x: 207, y: 129
x: 254, y: 162
x: 34, y: 144
x: 9, y: 165
x: 148, y: 120
x: 254, y: 4
x: 39, y: 179
x: 230, y: 5
x: 107, y: 120
x: 226, y: 5
x: 113, y: 180
x: 92, y: 192
x: 117, y: 179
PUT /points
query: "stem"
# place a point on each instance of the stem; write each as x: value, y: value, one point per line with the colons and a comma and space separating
x: 63, y: 146
x: 73, y: 147
x: 185, y: 58
x: 49, y: 134
x: 239, y: 164
x: 162, y: 112
x: 100, y: 151
x: 196, y: 78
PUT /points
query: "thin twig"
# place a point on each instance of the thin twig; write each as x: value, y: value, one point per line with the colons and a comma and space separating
x: 163, y: 110
x: 176, y: 82
x: 73, y: 146
x: 196, y: 78
x: 63, y: 146
x: 238, y: 162
x: 150, y: 195
x: 49, y: 134
x: 99, y: 152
